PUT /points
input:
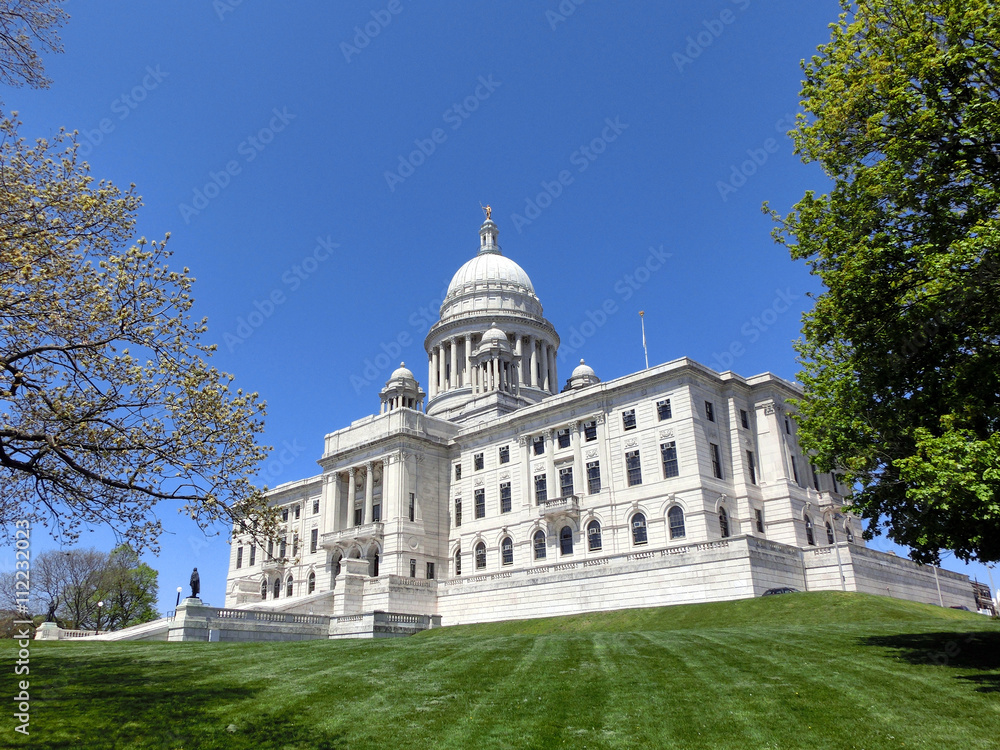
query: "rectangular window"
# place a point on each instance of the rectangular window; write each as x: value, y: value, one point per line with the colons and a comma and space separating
x: 538, y: 444
x: 541, y: 492
x: 593, y: 477
x: 358, y: 516
x: 566, y: 481
x: 376, y: 512
x: 663, y: 409
x: 239, y: 557
x: 505, y: 454
x: 253, y: 555
x: 563, y: 437
x: 458, y: 512
x: 315, y: 506
x: 795, y: 472
x: 815, y: 477
x: 758, y: 517
x: 628, y: 419
x: 633, y: 468
x: 270, y: 549
x: 282, y: 548
x: 313, y: 540
x: 716, y: 461
x: 295, y: 545
x: 753, y: 469
x: 413, y: 507
x: 590, y: 431
x: 788, y: 427
x: 413, y: 568
x: 505, y: 497
x: 744, y: 419
x: 481, y: 503
x: 298, y: 512
x: 430, y: 571
x: 477, y: 462
x: 709, y: 411
x: 458, y: 471
x: 833, y: 478
x: 284, y: 514
x: 668, y: 453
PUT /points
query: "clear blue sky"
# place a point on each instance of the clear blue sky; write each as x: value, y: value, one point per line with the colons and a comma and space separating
x: 258, y: 132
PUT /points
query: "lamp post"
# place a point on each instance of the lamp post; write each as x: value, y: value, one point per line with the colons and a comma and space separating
x: 178, y: 602
x: 100, y: 608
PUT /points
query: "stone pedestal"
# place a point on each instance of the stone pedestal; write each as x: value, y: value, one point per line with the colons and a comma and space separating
x: 47, y: 631
x: 350, y: 594
x: 190, y: 621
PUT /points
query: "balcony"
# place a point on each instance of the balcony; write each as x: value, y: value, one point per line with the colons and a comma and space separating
x: 355, y: 534
x: 559, y: 507
x: 274, y: 564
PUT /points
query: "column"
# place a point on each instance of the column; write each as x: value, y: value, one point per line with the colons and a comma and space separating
x: 329, y: 506
x: 545, y: 367
x: 369, y: 491
x: 335, y: 500
x: 532, y: 363
x: 555, y: 370
x: 579, y: 470
x: 453, y: 380
x: 442, y: 383
x: 432, y: 367
x: 518, y: 350
x: 351, y: 494
x: 551, y: 480
x: 467, y: 376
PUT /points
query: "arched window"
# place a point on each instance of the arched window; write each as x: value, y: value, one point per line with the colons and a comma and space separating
x: 849, y: 533
x: 480, y: 556
x: 288, y: 587
x: 375, y: 561
x: 507, y: 551
x: 675, y: 519
x: 723, y: 523
x: 277, y: 587
x: 594, y: 535
x: 566, y: 540
x: 263, y: 589
x: 539, y: 545
x: 639, y: 529
x: 829, y: 533
x: 312, y: 582
x: 810, y: 537
x: 458, y: 562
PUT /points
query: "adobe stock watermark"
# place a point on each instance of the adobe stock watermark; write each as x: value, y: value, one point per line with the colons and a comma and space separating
x: 363, y: 35
x: 250, y: 148
x: 582, y: 158
x: 22, y: 627
x: 123, y: 106
x: 757, y: 158
x: 702, y: 40
x: 753, y: 329
x: 455, y: 116
x: 624, y: 288
x: 292, y: 279
x: 222, y: 7
x: 563, y: 11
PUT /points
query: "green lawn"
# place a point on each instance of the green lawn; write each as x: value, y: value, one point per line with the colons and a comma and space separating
x: 820, y: 670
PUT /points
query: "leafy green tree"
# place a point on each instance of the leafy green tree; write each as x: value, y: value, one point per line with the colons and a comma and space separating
x: 901, y: 352
x: 129, y: 589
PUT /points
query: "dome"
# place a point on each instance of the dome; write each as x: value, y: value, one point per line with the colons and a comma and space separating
x: 401, y: 373
x: 583, y: 370
x: 582, y: 376
x: 494, y: 337
x: 490, y: 270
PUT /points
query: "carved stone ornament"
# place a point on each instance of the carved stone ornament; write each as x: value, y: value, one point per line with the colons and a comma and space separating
x: 770, y: 408
x: 666, y: 434
x: 599, y: 419
x: 391, y: 458
x: 539, y: 468
x: 522, y: 440
x: 505, y: 475
x: 479, y: 482
x: 591, y: 453
x: 631, y: 443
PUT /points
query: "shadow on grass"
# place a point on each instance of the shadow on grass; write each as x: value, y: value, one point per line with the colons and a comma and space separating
x: 100, y: 702
x: 971, y: 651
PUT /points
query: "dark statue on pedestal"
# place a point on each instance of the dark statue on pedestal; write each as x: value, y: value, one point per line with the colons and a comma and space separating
x: 195, y: 584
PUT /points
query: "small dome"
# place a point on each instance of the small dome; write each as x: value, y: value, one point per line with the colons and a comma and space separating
x: 494, y: 337
x: 401, y: 373
x: 583, y: 370
x: 582, y: 376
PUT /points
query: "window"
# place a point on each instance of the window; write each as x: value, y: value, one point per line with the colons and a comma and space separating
x: 284, y: 514
x: 594, y: 536
x: 505, y: 454
x: 810, y: 537
x: 458, y: 512
x: 538, y: 544
x: 295, y: 545
x: 239, y: 557
x: 795, y: 471
x: 566, y: 481
x: 480, y: 556
x: 282, y: 548
x: 413, y: 568
x: 312, y: 583
x: 376, y: 512
x: 430, y: 571
x: 833, y: 478
x: 253, y: 555
x: 663, y: 409
x: 849, y: 533
x: 675, y: 519
x: 458, y: 562
x: 723, y: 522
x: 829, y: 533
x: 566, y: 541
x: 758, y: 517
x: 541, y: 491
x: 744, y: 419
x: 263, y: 590
x: 313, y: 540
x: 507, y: 551
x: 288, y: 587
x: 270, y: 549
x: 639, y: 529
x: 633, y: 467
x: 593, y: 477
x: 716, y: 461
x: 753, y: 469
x: 477, y: 462
x: 375, y: 561
x: 815, y: 477
x: 538, y: 445
x: 277, y: 588
x: 505, y: 497
x: 358, y: 516
x: 315, y: 506
x: 628, y: 419
x: 413, y: 506
x: 709, y: 411
x: 788, y: 427
x: 458, y: 471
x: 590, y: 431
x: 480, y: 506
x: 563, y: 437
x: 668, y: 454
x: 298, y: 512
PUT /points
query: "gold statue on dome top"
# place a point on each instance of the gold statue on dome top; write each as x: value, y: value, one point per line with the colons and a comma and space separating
x: 486, y: 210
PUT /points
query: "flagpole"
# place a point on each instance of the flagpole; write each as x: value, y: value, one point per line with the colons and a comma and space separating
x: 642, y: 321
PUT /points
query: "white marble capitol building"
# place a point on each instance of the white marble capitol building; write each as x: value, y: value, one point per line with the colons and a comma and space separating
x: 501, y: 492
